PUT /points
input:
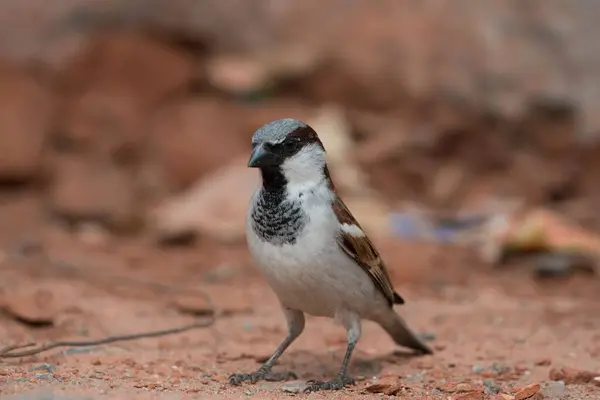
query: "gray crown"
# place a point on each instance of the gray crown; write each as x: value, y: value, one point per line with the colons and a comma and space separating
x: 276, y: 131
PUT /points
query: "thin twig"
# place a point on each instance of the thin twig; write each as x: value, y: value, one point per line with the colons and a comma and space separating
x: 8, y: 352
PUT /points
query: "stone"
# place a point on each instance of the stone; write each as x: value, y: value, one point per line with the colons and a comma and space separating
x: 193, y: 304
x: 543, y: 362
x: 553, y: 389
x: 293, y: 387
x: 37, y: 305
x: 527, y: 391
x: 88, y: 191
x: 112, y: 85
x: 214, y: 207
x: 26, y: 111
x: 106, y: 123
x: 196, y: 136
x: 389, y: 386
x: 143, y: 67
x: 505, y: 396
x: 571, y: 375
x: 490, y: 387
x: 50, y: 368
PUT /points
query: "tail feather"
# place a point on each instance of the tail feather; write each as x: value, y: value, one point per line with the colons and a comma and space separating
x: 399, y: 331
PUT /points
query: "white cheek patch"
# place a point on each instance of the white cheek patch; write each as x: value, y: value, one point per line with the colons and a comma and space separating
x: 305, y: 168
x: 353, y: 230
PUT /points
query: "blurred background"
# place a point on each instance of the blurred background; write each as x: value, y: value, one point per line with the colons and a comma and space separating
x: 462, y: 134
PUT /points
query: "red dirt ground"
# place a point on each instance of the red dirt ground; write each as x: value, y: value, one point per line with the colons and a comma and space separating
x: 492, y: 329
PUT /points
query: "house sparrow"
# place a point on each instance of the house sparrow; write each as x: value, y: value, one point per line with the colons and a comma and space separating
x: 312, y: 251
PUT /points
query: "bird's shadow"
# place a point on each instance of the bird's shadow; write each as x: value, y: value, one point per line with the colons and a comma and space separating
x: 308, y: 365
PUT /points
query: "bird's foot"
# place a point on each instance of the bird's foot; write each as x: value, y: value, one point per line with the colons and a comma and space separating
x: 260, y: 375
x: 337, y: 383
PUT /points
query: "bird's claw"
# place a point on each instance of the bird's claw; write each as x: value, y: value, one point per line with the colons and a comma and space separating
x: 339, y: 382
x: 237, y: 379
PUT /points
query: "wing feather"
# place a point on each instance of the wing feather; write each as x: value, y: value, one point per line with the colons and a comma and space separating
x: 354, y: 241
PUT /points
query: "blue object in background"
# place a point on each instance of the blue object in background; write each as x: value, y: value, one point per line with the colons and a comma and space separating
x: 409, y: 226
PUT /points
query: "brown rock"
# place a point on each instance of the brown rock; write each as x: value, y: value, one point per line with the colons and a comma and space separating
x: 105, y: 122
x: 543, y: 362
x: 144, y: 68
x: 32, y: 304
x: 542, y: 177
x: 93, y: 235
x: 84, y: 190
x: 26, y: 110
x: 521, y: 368
x: 461, y: 387
x: 195, y: 136
x: 199, y: 305
x: 388, y: 386
x: 468, y: 396
x: 425, y: 364
x: 571, y: 375
x: 528, y: 391
x: 505, y: 396
x: 113, y: 84
x: 215, y: 207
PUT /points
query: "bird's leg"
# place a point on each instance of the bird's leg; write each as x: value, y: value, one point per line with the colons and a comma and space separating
x: 295, y: 324
x: 353, y: 326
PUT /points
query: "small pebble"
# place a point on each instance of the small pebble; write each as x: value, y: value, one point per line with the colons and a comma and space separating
x: 542, y: 362
x: 553, y: 389
x: 46, y: 377
x: 414, y: 378
x: 462, y: 388
x: 552, y: 266
x: 499, y: 368
x: 478, y: 369
x: 295, y: 387
x: 520, y: 368
x: 427, y: 336
x: 527, y: 391
x: 490, y: 387
x: 505, y: 396
x: 220, y: 273
x: 43, y: 367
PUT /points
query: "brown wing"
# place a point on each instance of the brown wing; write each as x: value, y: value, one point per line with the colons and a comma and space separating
x: 361, y: 249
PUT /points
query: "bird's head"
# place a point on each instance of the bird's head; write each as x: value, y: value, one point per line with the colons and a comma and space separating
x: 290, y: 147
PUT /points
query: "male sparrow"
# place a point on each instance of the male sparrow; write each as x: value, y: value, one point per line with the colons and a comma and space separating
x: 311, y: 250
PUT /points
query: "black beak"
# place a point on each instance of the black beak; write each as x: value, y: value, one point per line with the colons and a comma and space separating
x: 260, y: 157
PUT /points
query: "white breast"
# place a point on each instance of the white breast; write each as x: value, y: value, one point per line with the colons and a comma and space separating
x: 313, y: 274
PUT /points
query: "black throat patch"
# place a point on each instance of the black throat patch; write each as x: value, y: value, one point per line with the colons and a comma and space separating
x: 275, y: 219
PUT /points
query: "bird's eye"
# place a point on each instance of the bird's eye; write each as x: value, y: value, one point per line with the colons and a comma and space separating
x: 268, y: 146
x: 288, y: 144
